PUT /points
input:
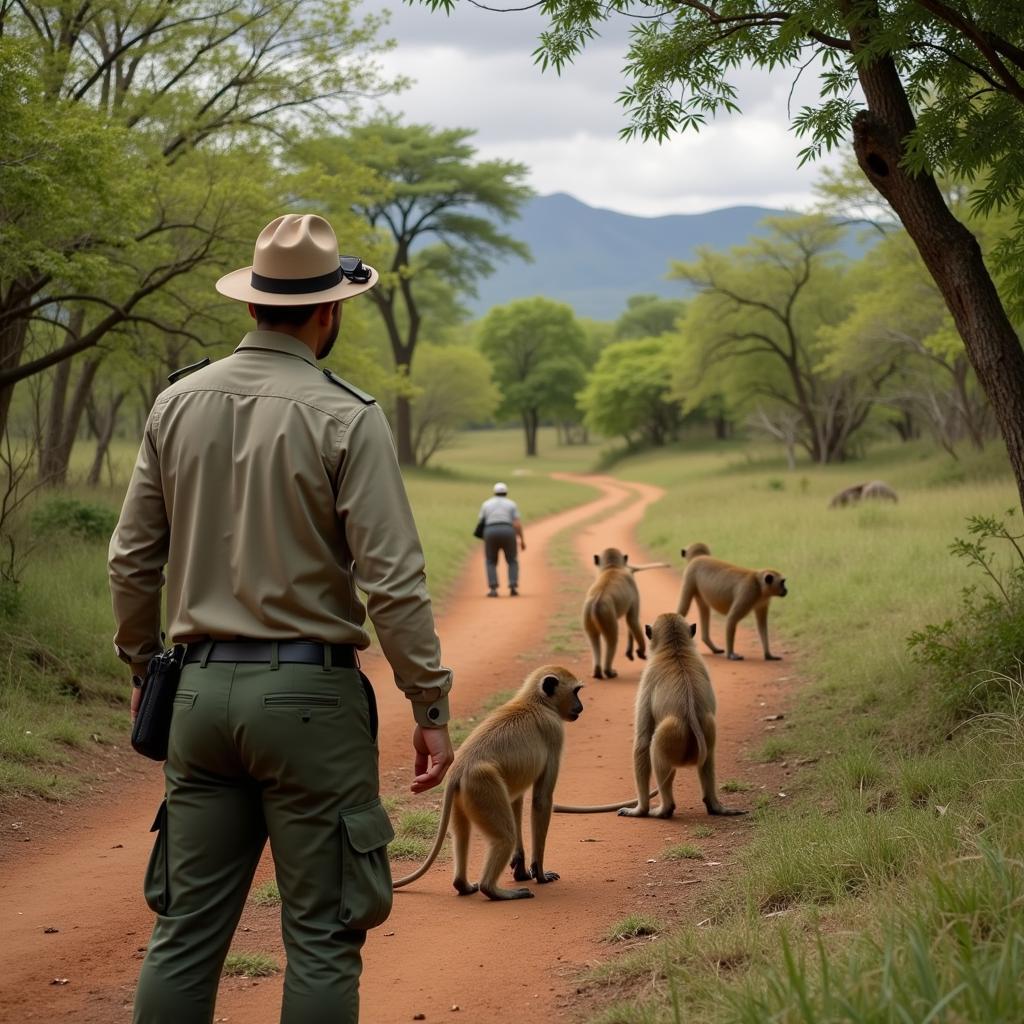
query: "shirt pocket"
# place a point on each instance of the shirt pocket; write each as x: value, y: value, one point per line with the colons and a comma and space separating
x: 366, y: 893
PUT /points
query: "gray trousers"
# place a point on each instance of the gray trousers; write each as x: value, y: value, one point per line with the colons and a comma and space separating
x: 290, y: 755
x: 501, y: 537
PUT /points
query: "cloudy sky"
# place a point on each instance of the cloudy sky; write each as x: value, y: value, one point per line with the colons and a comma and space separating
x: 474, y: 69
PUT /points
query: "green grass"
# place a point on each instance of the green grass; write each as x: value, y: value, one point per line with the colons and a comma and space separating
x: 634, y: 926
x: 250, y: 965
x: 736, y: 786
x: 889, y: 886
x: 266, y: 894
x: 704, y: 831
x: 682, y: 851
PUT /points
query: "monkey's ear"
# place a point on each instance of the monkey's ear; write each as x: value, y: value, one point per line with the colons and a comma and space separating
x: 597, y: 559
x: 625, y: 559
x: 549, y: 684
x: 769, y: 578
x: 693, y: 629
x: 682, y: 552
x: 648, y: 631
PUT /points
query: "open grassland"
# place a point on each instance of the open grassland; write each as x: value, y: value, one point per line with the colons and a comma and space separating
x: 61, y: 688
x: 888, y: 885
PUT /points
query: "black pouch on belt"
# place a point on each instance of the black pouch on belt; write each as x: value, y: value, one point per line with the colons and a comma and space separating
x: 152, y: 727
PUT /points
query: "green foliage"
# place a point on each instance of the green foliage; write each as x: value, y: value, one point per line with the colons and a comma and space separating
x: 972, y: 655
x: 629, y: 391
x: 538, y: 351
x: 70, y: 517
x: 649, y: 316
x: 453, y: 389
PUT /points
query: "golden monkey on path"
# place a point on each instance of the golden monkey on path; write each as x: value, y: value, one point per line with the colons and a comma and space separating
x: 733, y: 592
x: 675, y: 720
x: 517, y: 746
x: 612, y: 596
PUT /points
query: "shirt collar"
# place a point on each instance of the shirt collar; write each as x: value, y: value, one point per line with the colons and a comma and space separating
x: 274, y: 341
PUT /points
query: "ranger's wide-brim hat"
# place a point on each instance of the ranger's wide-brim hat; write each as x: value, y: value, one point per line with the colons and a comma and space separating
x: 296, y: 263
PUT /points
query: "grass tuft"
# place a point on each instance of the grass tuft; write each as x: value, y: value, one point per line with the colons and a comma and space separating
x: 250, y: 965
x: 266, y: 894
x: 634, y: 926
x: 736, y: 786
x: 682, y: 851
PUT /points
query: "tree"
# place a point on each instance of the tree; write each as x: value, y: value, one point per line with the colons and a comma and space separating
x: 538, y: 351
x: 649, y: 316
x: 897, y: 315
x: 436, y: 191
x: 759, y: 315
x: 629, y: 392
x: 189, y: 102
x: 943, y: 92
x: 453, y: 388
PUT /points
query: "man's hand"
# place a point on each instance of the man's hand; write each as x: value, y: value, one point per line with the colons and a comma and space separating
x: 434, y: 756
x: 136, y: 696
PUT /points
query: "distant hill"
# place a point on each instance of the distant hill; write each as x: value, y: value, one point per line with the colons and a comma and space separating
x: 595, y: 259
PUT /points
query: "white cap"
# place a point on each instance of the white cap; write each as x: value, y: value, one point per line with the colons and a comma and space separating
x: 500, y: 488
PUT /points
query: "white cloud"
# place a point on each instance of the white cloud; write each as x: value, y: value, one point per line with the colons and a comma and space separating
x: 475, y: 70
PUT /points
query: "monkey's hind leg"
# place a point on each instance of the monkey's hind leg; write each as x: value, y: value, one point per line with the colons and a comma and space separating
x: 730, y: 635
x: 705, y: 624
x: 593, y: 632
x: 706, y: 771
x: 610, y: 628
x: 635, y: 633
x: 641, y: 766
x: 486, y: 801
x: 762, y: 627
x: 518, y: 865
x: 460, y: 828
x: 666, y: 750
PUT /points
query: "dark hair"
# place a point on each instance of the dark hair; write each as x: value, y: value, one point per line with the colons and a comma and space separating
x: 292, y: 316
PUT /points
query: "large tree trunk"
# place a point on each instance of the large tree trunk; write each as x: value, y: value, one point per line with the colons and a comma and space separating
x: 403, y: 431
x: 12, y: 344
x: 64, y: 421
x: 950, y: 252
x: 531, y: 419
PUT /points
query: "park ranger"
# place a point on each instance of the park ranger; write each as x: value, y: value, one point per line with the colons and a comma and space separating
x: 269, y: 490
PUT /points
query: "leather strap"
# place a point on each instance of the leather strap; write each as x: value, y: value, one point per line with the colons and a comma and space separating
x: 295, y: 652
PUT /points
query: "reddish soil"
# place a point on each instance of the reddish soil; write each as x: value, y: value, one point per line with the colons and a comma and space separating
x: 81, y: 872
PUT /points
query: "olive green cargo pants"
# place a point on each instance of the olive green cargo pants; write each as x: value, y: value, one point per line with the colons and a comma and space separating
x: 288, y: 753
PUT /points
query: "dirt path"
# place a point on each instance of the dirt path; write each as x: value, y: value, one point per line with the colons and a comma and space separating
x: 496, y: 962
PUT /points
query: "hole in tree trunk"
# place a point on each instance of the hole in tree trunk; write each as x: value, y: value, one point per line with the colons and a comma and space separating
x: 878, y: 165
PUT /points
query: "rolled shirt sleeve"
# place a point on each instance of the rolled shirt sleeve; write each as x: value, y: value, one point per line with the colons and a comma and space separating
x: 389, y: 566
x: 137, y: 556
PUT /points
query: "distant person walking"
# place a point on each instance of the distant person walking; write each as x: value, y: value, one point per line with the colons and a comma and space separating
x: 500, y: 518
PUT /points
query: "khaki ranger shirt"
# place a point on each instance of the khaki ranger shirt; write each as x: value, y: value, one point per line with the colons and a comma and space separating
x: 271, y: 491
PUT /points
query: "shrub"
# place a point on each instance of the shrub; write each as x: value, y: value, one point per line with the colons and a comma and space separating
x: 985, y: 641
x: 69, y: 517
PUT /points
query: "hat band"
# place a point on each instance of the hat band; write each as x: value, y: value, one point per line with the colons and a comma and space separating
x: 297, y: 285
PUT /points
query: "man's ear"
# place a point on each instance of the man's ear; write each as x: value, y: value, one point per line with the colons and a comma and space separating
x: 252, y: 311
x: 325, y: 314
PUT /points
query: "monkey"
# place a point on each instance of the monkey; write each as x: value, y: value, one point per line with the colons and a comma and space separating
x: 849, y: 496
x: 733, y: 592
x: 879, y: 489
x: 517, y: 746
x: 675, y: 720
x: 612, y: 595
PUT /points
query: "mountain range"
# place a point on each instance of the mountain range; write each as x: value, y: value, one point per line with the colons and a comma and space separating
x: 595, y: 259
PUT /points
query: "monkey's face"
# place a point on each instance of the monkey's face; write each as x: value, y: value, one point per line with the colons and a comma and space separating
x: 774, y: 583
x: 562, y: 689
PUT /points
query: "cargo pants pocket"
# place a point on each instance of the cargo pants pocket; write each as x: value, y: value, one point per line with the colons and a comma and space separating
x: 366, y: 894
x: 156, y: 887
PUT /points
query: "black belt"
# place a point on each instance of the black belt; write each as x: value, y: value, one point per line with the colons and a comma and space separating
x: 294, y: 652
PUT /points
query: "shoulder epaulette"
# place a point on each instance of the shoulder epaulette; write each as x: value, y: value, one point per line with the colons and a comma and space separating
x: 350, y: 388
x: 184, y: 371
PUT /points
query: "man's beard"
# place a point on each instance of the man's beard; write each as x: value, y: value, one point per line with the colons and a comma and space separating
x: 333, y: 336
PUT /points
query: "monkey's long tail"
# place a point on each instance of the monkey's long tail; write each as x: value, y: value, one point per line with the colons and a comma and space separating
x: 599, y: 808
x: 650, y: 565
x: 442, y: 829
x: 696, y: 727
